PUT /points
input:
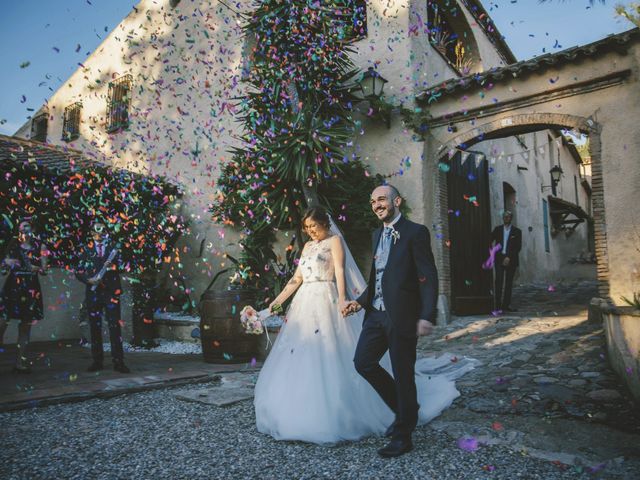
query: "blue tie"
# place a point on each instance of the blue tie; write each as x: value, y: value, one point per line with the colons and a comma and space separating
x: 386, y: 237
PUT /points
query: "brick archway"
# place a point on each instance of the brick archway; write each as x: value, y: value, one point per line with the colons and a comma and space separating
x: 591, y: 88
x: 506, y: 125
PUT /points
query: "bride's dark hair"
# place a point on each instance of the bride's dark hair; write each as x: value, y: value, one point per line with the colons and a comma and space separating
x: 318, y: 215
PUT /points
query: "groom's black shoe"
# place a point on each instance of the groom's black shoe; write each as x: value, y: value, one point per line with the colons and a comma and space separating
x: 395, y: 448
x: 389, y: 431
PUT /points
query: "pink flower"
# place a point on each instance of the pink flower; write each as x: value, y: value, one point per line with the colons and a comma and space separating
x: 250, y: 321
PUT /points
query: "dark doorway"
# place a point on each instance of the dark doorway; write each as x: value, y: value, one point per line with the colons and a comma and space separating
x: 509, y: 197
x: 469, y: 232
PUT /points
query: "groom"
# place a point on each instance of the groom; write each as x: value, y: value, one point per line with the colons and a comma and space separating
x: 400, y: 305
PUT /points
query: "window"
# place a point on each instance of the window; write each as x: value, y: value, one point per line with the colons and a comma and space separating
x: 118, y: 103
x: 352, y: 23
x: 39, y: 125
x: 451, y: 36
x: 545, y: 222
x: 71, y: 122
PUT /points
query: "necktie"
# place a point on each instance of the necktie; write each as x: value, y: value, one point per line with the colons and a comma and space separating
x: 386, y: 237
x: 100, y: 250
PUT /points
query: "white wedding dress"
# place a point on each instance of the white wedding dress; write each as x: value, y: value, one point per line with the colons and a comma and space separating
x: 308, y: 388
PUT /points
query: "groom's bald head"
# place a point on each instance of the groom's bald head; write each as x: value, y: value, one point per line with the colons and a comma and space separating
x: 385, y: 202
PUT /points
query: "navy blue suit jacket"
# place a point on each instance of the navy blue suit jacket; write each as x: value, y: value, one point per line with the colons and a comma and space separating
x: 90, y: 264
x: 410, y: 279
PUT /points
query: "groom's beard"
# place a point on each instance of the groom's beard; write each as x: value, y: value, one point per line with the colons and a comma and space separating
x: 389, y: 215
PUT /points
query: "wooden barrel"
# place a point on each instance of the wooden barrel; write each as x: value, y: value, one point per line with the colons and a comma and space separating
x: 223, y: 338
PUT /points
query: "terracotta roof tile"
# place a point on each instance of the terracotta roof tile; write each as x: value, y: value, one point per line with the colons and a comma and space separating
x: 525, y: 66
x: 56, y: 160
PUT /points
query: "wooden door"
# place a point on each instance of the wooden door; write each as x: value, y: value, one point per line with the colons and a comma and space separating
x: 470, y: 234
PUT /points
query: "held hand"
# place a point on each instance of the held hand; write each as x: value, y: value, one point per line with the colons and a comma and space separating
x: 93, y: 281
x: 343, y: 305
x: 424, y: 327
x: 505, y: 262
x: 350, y: 308
x: 275, y: 306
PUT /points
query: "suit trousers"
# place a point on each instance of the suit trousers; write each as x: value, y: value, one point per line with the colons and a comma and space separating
x: 504, y: 275
x: 398, y: 392
x: 97, y: 302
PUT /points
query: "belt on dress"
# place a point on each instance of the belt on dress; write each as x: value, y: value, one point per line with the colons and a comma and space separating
x: 319, y: 281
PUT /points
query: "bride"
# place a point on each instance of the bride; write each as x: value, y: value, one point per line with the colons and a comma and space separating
x: 308, y: 388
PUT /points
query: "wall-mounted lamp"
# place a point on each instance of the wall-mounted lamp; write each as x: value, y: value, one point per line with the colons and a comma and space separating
x: 371, y: 88
x: 555, y: 172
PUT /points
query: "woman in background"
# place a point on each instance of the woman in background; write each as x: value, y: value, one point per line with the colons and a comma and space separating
x: 25, y: 259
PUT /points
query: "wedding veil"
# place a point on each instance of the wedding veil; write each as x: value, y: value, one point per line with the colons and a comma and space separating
x: 355, y: 282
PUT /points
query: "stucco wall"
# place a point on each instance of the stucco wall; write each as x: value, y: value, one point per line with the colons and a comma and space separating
x: 398, y: 45
x: 622, y: 329
x: 538, y: 155
x: 186, y: 65
x: 62, y: 297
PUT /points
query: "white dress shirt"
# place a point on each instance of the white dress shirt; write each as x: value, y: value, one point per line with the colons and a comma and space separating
x: 505, y: 238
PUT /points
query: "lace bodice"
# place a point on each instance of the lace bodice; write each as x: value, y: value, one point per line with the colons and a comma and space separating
x: 316, y: 262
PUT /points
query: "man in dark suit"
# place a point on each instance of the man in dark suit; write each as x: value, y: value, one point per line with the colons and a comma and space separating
x: 98, y: 270
x: 510, y: 239
x: 400, y: 304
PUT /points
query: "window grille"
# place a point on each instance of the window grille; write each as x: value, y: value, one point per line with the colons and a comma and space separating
x: 71, y: 122
x: 39, y: 125
x: 118, y: 103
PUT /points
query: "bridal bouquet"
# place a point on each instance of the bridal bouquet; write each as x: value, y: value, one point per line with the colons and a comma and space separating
x: 254, y: 321
x: 250, y: 320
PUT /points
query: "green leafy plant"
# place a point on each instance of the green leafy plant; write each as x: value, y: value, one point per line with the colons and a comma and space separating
x: 297, y: 130
x: 634, y: 301
x: 136, y: 209
x: 628, y: 13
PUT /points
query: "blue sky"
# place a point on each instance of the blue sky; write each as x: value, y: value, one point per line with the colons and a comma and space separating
x: 43, y: 40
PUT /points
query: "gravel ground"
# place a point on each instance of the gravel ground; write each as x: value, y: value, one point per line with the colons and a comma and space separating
x: 164, y: 346
x: 154, y: 435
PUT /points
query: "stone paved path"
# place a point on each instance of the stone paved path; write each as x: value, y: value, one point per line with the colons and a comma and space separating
x: 568, y: 298
x: 543, y: 388
x: 544, y: 385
